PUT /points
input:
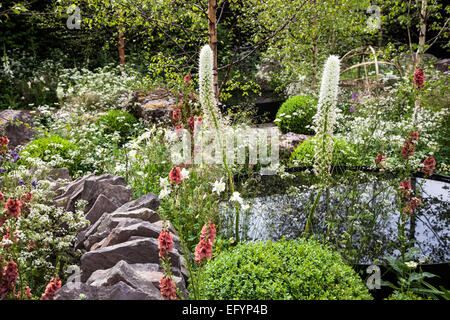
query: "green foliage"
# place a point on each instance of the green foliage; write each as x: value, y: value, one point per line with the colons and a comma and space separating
x: 118, y: 121
x: 52, y: 147
x: 26, y: 82
x: 296, y: 115
x: 343, y: 153
x: 408, y: 295
x: 295, y: 269
x: 410, y: 280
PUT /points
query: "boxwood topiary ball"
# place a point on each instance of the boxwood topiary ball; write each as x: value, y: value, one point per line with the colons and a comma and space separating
x: 296, y: 115
x: 289, y: 270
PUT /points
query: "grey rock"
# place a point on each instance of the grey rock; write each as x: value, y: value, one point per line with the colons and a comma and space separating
x: 118, y: 291
x: 143, y: 277
x: 141, y: 229
x: 105, y: 228
x: 149, y: 201
x: 71, y: 194
x: 134, y: 251
x: 442, y: 65
x: 101, y: 205
x: 17, y: 126
x: 289, y: 141
x: 158, y: 106
x: 90, y: 187
x: 142, y: 213
x: 59, y: 173
x: 114, y: 191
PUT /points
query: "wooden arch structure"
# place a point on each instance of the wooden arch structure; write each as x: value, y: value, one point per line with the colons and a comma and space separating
x: 367, y: 57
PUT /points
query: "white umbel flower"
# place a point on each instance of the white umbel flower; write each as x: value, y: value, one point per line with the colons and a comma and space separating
x: 325, y: 118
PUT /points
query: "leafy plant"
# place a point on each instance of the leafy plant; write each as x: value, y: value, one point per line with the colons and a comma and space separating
x: 56, y: 151
x: 343, y: 153
x: 408, y: 280
x: 296, y: 114
x: 118, y: 120
x: 295, y: 269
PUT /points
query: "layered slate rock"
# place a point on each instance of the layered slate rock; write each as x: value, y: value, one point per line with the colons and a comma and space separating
x: 90, y: 188
x: 140, y: 276
x: 118, y: 291
x: 17, y: 126
x: 134, y: 251
x: 121, y: 259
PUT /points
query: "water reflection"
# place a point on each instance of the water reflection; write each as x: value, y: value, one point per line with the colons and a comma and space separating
x: 364, y: 219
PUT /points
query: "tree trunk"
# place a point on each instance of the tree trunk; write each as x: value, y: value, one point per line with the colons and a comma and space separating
x: 314, y: 69
x: 422, y: 32
x: 212, y: 28
x: 121, y: 47
x: 315, y: 51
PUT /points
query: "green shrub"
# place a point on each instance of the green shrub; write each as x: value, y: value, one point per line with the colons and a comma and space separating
x: 59, y: 151
x: 343, y: 153
x: 118, y: 120
x: 296, y: 114
x: 288, y: 270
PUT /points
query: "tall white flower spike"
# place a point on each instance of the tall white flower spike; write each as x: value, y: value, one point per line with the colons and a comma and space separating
x: 206, y: 83
x: 325, y: 118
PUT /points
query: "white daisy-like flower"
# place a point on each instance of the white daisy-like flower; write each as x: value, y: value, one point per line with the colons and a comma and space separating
x: 164, y: 182
x: 164, y: 193
x: 185, y: 173
x: 218, y: 186
x: 236, y: 197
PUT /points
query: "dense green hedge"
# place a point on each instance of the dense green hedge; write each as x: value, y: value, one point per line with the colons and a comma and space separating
x: 296, y: 114
x: 288, y: 270
x: 343, y: 153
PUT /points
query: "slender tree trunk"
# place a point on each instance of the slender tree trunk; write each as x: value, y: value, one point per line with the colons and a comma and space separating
x: 315, y: 52
x: 212, y: 28
x: 121, y: 46
x: 422, y: 32
x: 420, y: 49
x: 314, y: 69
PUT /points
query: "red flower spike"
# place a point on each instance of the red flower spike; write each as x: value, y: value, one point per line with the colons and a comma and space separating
x: 428, y: 166
x: 177, y: 115
x: 168, y: 289
x: 51, y: 289
x: 203, y: 250
x: 8, y: 278
x: 165, y: 243
x: 175, y: 175
x: 405, y: 189
x: 419, y: 78
x: 13, y: 206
